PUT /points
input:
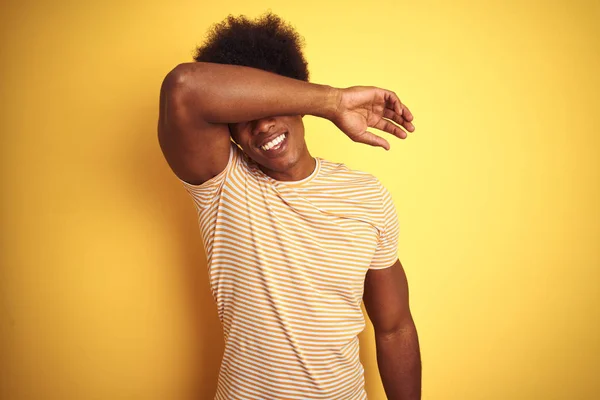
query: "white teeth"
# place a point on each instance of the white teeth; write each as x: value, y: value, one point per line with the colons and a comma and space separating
x: 273, y: 142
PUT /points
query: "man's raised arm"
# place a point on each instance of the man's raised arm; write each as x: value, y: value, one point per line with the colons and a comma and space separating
x: 198, y: 100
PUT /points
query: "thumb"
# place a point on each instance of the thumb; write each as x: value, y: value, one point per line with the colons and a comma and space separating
x: 373, y: 140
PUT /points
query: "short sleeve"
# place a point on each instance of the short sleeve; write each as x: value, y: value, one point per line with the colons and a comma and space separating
x: 207, y: 192
x: 386, y: 253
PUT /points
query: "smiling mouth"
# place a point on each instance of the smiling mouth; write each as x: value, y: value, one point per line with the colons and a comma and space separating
x: 275, y: 143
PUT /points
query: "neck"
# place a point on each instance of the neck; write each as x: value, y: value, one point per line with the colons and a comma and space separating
x: 301, y: 169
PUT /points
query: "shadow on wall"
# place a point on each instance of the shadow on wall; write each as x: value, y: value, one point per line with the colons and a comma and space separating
x: 164, y: 198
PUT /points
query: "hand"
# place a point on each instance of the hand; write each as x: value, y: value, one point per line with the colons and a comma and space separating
x: 363, y: 107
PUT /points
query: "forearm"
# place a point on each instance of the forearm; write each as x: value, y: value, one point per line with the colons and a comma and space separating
x: 399, y: 362
x: 231, y: 93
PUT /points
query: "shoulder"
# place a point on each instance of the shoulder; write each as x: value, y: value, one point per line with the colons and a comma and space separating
x: 364, y: 187
x: 342, y: 175
x: 236, y: 165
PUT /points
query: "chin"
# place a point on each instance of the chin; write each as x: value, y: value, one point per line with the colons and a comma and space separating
x: 281, y: 164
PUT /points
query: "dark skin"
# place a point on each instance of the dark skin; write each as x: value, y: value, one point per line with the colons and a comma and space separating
x: 203, y: 106
x: 398, y: 356
x: 296, y: 160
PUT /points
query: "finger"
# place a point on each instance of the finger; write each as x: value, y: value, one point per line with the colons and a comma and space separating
x: 373, y: 140
x: 390, y: 127
x: 394, y: 116
x: 396, y: 105
x: 393, y: 103
x: 389, y: 114
x: 406, y: 113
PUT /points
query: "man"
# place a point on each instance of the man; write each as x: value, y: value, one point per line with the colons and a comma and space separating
x: 294, y: 243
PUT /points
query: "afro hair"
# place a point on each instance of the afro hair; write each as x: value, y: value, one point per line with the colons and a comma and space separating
x: 267, y: 43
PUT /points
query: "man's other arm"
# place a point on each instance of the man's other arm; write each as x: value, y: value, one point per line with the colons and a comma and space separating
x: 398, y: 354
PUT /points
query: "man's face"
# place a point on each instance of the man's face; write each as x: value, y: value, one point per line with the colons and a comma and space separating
x: 275, y: 143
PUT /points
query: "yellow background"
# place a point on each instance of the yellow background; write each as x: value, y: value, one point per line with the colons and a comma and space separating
x: 103, y: 288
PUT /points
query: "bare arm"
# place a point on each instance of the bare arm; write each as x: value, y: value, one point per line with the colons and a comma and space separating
x: 198, y: 100
x: 230, y: 93
x: 398, y: 354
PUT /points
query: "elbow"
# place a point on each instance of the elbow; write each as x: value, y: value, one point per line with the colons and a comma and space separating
x: 188, y: 74
x: 397, y: 328
x: 179, y: 87
x: 176, y: 78
x: 187, y: 81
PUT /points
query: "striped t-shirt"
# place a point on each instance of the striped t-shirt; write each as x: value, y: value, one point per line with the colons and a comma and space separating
x: 287, y: 263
